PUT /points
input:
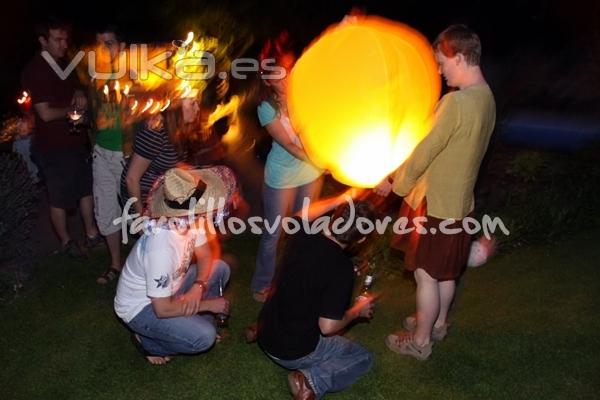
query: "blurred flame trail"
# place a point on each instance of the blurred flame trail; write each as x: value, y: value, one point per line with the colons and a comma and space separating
x: 167, y: 104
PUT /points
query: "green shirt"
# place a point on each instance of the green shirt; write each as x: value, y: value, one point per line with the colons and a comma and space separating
x: 111, y: 138
x: 443, y: 167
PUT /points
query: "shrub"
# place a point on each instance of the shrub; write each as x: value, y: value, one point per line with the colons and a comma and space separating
x: 542, y: 197
x: 18, y: 202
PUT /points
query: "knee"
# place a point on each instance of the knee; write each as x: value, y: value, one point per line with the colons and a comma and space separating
x: 422, y: 277
x: 204, y: 339
x: 367, y: 361
x: 222, y: 270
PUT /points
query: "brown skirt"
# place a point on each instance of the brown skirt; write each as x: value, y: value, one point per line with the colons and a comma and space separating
x: 443, y: 256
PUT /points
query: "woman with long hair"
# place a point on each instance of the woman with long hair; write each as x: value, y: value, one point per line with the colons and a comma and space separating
x: 289, y: 175
x: 158, y: 147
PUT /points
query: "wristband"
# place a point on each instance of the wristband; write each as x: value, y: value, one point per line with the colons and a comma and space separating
x: 200, y: 283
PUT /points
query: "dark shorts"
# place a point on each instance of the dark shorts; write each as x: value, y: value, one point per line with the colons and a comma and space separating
x: 442, y: 256
x: 68, y: 176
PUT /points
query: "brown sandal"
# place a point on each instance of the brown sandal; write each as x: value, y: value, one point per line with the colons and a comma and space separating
x: 109, y: 275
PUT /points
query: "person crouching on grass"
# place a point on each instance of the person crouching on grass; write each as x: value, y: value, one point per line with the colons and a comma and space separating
x: 300, y: 324
x: 168, y: 302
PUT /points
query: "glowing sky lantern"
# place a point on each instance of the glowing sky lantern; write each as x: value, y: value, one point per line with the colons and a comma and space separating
x: 362, y: 96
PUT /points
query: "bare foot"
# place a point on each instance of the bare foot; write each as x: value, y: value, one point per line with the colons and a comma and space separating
x: 156, y: 360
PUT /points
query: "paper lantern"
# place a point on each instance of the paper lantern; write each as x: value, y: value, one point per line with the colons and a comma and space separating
x: 362, y: 96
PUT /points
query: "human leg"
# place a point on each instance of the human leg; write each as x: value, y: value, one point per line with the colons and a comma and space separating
x: 428, y: 306
x: 277, y: 203
x: 335, y: 364
x: 311, y: 190
x: 107, y: 167
x: 167, y: 336
x: 86, y: 209
x: 58, y: 217
x: 446, y: 290
x: 416, y: 342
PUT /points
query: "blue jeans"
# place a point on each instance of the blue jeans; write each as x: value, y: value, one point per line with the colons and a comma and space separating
x: 278, y: 203
x: 335, y: 364
x: 181, y: 335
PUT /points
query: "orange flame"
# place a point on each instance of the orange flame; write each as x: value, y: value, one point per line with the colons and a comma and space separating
x: 148, y: 105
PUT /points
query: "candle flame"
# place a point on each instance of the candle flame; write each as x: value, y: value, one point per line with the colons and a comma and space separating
x: 105, y: 90
x: 186, y: 91
x: 24, y: 98
x: 117, y: 86
x: 155, y: 108
x: 190, y: 37
x: 126, y: 90
x: 148, y: 105
x: 167, y: 104
x: 134, y: 106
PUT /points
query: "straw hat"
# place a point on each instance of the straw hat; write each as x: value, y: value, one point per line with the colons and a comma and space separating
x: 174, y: 192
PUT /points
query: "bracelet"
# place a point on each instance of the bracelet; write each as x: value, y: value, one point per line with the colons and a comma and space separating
x: 200, y: 283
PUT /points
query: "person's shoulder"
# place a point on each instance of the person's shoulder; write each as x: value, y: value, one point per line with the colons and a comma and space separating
x: 159, y: 239
x: 34, y: 68
x: 266, y: 112
x: 149, y: 131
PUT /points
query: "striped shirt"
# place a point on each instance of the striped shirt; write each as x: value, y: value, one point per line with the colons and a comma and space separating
x: 153, y: 145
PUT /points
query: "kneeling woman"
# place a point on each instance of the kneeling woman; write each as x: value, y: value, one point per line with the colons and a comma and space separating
x: 168, y: 302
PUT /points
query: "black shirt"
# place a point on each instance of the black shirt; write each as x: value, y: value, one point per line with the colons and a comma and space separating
x: 45, y: 86
x: 315, y: 280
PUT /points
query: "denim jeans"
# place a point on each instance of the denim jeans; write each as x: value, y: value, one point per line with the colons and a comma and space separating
x: 335, y: 364
x: 278, y: 203
x: 181, y: 335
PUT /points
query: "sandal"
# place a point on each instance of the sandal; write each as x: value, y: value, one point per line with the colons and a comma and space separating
x: 72, y: 249
x: 250, y: 333
x: 437, y: 333
x: 109, y: 275
x: 402, y: 342
x: 261, y: 295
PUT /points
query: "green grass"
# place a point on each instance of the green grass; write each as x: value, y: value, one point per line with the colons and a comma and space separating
x: 525, y: 326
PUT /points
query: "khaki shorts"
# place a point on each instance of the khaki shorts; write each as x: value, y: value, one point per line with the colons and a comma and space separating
x: 107, y: 167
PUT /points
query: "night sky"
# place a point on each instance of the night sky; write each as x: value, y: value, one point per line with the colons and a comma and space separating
x: 536, y: 54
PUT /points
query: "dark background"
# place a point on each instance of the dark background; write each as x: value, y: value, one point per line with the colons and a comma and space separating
x: 536, y: 54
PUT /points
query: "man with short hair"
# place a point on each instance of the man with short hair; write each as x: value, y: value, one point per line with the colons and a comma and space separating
x: 112, y: 144
x: 63, y: 157
x: 299, y: 326
x: 437, y: 183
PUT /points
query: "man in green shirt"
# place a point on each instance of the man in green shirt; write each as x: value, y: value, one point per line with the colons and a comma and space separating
x: 437, y: 183
x: 111, y: 143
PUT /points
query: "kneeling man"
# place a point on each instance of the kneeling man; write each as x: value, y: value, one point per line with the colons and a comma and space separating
x: 300, y: 322
x: 168, y: 302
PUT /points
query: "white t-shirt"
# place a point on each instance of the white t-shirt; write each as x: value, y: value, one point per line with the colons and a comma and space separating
x: 155, y: 267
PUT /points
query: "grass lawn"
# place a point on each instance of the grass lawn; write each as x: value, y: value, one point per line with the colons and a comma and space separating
x: 525, y: 326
